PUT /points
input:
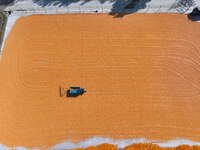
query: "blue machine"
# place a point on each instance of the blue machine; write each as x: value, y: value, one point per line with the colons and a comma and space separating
x: 75, y: 91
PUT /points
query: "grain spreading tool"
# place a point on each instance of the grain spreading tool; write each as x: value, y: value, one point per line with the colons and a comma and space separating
x: 75, y: 91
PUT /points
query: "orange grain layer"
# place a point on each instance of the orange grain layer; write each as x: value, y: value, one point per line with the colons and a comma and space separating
x: 141, y: 74
x: 139, y: 146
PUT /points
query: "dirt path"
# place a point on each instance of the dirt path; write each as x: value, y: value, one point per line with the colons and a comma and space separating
x: 141, y: 73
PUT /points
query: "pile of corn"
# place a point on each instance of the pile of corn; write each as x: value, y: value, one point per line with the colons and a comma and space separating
x: 140, y: 146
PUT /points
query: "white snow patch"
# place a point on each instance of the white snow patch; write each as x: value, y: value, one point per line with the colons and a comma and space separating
x: 121, y: 143
x: 3, y: 147
x: 94, y: 141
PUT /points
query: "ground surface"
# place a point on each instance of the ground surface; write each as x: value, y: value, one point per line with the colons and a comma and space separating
x: 25, y: 7
x: 141, y: 73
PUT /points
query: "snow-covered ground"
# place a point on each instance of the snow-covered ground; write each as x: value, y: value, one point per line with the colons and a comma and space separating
x: 24, y: 7
x: 60, y: 5
x: 119, y: 143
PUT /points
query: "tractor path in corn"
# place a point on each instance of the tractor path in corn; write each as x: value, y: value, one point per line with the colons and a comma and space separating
x: 141, y: 73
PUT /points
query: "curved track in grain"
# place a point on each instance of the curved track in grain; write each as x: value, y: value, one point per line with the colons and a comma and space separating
x: 141, y: 73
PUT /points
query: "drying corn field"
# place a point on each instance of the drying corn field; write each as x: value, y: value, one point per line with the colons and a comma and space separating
x: 141, y: 75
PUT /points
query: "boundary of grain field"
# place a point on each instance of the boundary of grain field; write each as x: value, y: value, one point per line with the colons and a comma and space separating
x: 122, y: 144
x: 3, y: 23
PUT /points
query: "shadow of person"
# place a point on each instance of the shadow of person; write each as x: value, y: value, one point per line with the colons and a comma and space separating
x: 194, y: 15
x: 121, y: 8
